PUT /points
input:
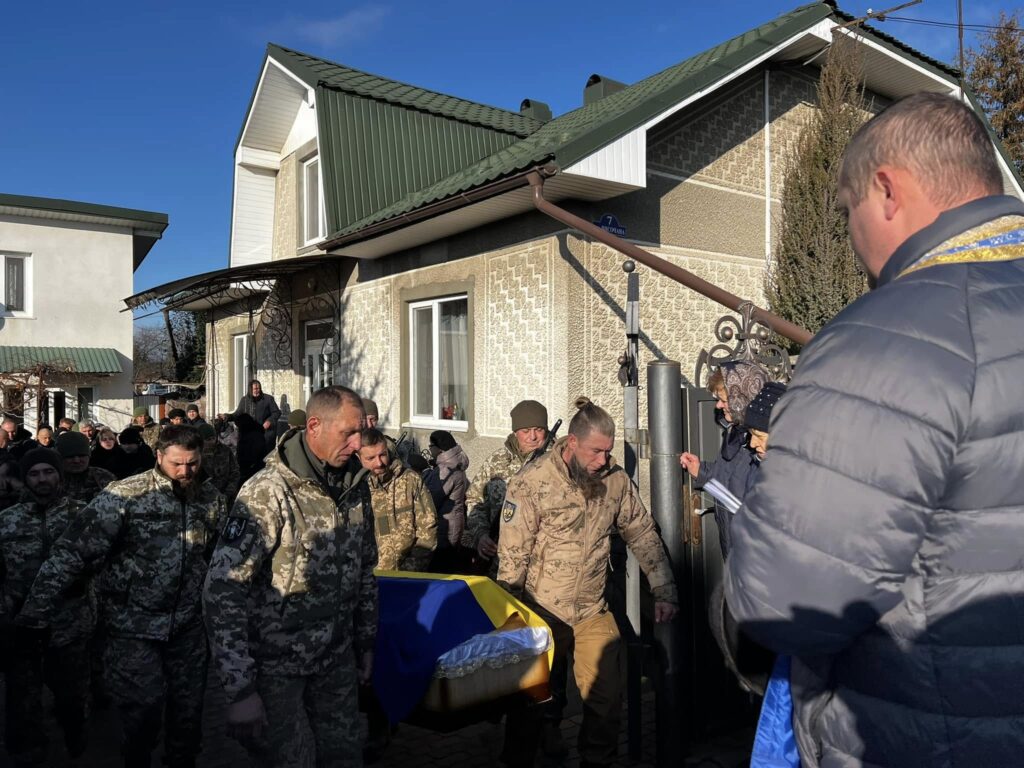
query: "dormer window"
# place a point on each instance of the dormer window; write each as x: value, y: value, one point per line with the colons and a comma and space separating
x: 313, y: 224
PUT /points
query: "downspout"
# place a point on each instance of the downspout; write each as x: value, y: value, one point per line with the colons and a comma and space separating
x: 783, y: 327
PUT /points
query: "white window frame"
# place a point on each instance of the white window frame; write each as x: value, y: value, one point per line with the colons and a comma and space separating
x: 89, y: 412
x: 321, y: 219
x: 27, y: 259
x: 434, y: 422
x: 239, y: 368
x: 308, y: 378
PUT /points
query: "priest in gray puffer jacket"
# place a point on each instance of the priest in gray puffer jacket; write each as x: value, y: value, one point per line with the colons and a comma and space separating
x: 883, y: 541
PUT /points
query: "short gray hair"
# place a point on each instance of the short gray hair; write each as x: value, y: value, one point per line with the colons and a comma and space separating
x: 325, y: 403
x: 939, y: 139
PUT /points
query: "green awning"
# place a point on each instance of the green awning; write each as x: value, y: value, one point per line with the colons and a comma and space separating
x: 66, y: 359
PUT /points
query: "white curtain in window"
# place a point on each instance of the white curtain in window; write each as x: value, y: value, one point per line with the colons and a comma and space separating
x: 453, y: 341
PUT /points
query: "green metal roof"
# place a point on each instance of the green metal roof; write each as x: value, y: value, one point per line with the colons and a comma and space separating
x: 316, y: 72
x: 376, y: 153
x: 68, y: 359
x: 381, y: 140
x: 83, y: 209
x: 581, y: 132
x: 578, y: 133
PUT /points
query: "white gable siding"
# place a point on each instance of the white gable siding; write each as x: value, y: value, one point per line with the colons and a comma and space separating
x: 253, y: 228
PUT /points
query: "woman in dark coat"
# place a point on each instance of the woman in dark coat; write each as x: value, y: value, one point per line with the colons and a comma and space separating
x: 139, y: 455
x: 107, y: 454
x: 447, y: 483
x: 251, y: 446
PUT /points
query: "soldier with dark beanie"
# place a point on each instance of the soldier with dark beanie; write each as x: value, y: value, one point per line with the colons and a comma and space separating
x: 150, y: 537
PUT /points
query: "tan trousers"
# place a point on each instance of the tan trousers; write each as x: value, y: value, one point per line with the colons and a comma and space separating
x: 597, y: 667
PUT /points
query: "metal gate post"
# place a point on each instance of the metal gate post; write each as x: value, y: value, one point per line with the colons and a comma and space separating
x: 664, y: 410
x: 633, y: 450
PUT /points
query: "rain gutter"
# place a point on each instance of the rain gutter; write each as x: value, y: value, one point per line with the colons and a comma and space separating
x: 783, y: 327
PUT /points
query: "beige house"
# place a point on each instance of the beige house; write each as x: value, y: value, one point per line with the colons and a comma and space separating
x: 65, y: 350
x: 385, y: 236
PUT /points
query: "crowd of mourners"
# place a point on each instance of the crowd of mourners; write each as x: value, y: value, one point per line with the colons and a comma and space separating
x: 872, y: 588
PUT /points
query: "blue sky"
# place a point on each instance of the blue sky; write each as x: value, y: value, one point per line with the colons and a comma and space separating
x: 139, y: 105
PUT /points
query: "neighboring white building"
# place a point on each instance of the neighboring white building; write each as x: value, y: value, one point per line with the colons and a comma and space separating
x: 64, y: 268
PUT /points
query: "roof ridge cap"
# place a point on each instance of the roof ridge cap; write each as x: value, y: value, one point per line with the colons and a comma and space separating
x: 321, y: 81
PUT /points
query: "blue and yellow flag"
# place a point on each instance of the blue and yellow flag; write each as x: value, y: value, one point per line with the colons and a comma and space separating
x: 422, y: 617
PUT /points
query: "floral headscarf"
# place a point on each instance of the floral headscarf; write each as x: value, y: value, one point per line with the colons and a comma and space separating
x: 743, y: 381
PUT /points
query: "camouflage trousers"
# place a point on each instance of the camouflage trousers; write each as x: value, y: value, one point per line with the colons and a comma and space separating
x: 153, y: 681
x: 65, y: 671
x: 330, y: 702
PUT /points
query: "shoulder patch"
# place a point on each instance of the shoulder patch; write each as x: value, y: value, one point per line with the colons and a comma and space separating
x: 234, y: 528
x: 508, y: 512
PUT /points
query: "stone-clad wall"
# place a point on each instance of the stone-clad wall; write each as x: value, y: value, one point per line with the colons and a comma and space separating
x: 547, y: 308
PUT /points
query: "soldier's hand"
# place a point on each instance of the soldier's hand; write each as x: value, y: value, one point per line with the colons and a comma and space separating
x: 665, y: 612
x: 366, y: 668
x: 486, y: 547
x: 247, y: 718
x: 690, y: 463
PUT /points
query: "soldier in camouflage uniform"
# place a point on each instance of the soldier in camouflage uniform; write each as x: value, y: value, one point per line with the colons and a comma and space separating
x: 82, y: 482
x: 27, y: 531
x: 219, y: 463
x: 486, y: 493
x: 556, y: 524
x: 152, y: 535
x: 148, y: 428
x: 403, y: 512
x: 291, y: 600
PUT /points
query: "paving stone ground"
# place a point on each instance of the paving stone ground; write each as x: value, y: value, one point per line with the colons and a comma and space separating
x: 475, y: 746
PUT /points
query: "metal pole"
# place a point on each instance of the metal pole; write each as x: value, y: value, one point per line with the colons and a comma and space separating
x: 665, y: 421
x: 631, y: 422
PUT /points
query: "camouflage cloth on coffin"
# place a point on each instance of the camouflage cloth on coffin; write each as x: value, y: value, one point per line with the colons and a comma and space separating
x: 85, y: 486
x: 404, y: 519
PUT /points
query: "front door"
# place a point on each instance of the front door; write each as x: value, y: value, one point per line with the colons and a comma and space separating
x: 318, y: 359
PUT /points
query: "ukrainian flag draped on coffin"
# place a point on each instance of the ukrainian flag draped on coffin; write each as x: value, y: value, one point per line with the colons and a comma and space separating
x: 423, y: 616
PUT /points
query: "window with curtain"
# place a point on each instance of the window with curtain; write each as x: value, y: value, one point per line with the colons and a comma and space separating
x: 14, y: 282
x: 439, y: 360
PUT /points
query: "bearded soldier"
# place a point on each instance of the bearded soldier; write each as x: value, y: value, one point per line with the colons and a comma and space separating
x: 556, y: 525
x: 404, y: 517
x: 150, y: 535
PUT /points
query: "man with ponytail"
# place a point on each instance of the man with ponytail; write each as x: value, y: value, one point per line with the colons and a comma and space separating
x: 558, y: 514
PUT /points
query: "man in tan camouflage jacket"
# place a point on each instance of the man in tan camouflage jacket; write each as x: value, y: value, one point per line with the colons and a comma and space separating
x: 291, y: 600
x: 555, y: 540
x: 404, y: 517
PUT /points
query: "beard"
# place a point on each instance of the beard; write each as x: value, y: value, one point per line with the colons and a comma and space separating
x: 184, y: 490
x: 591, y: 486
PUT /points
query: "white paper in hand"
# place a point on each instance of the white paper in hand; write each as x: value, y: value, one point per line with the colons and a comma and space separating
x: 722, y: 495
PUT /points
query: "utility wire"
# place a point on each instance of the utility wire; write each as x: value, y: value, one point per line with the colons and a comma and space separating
x: 950, y: 24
